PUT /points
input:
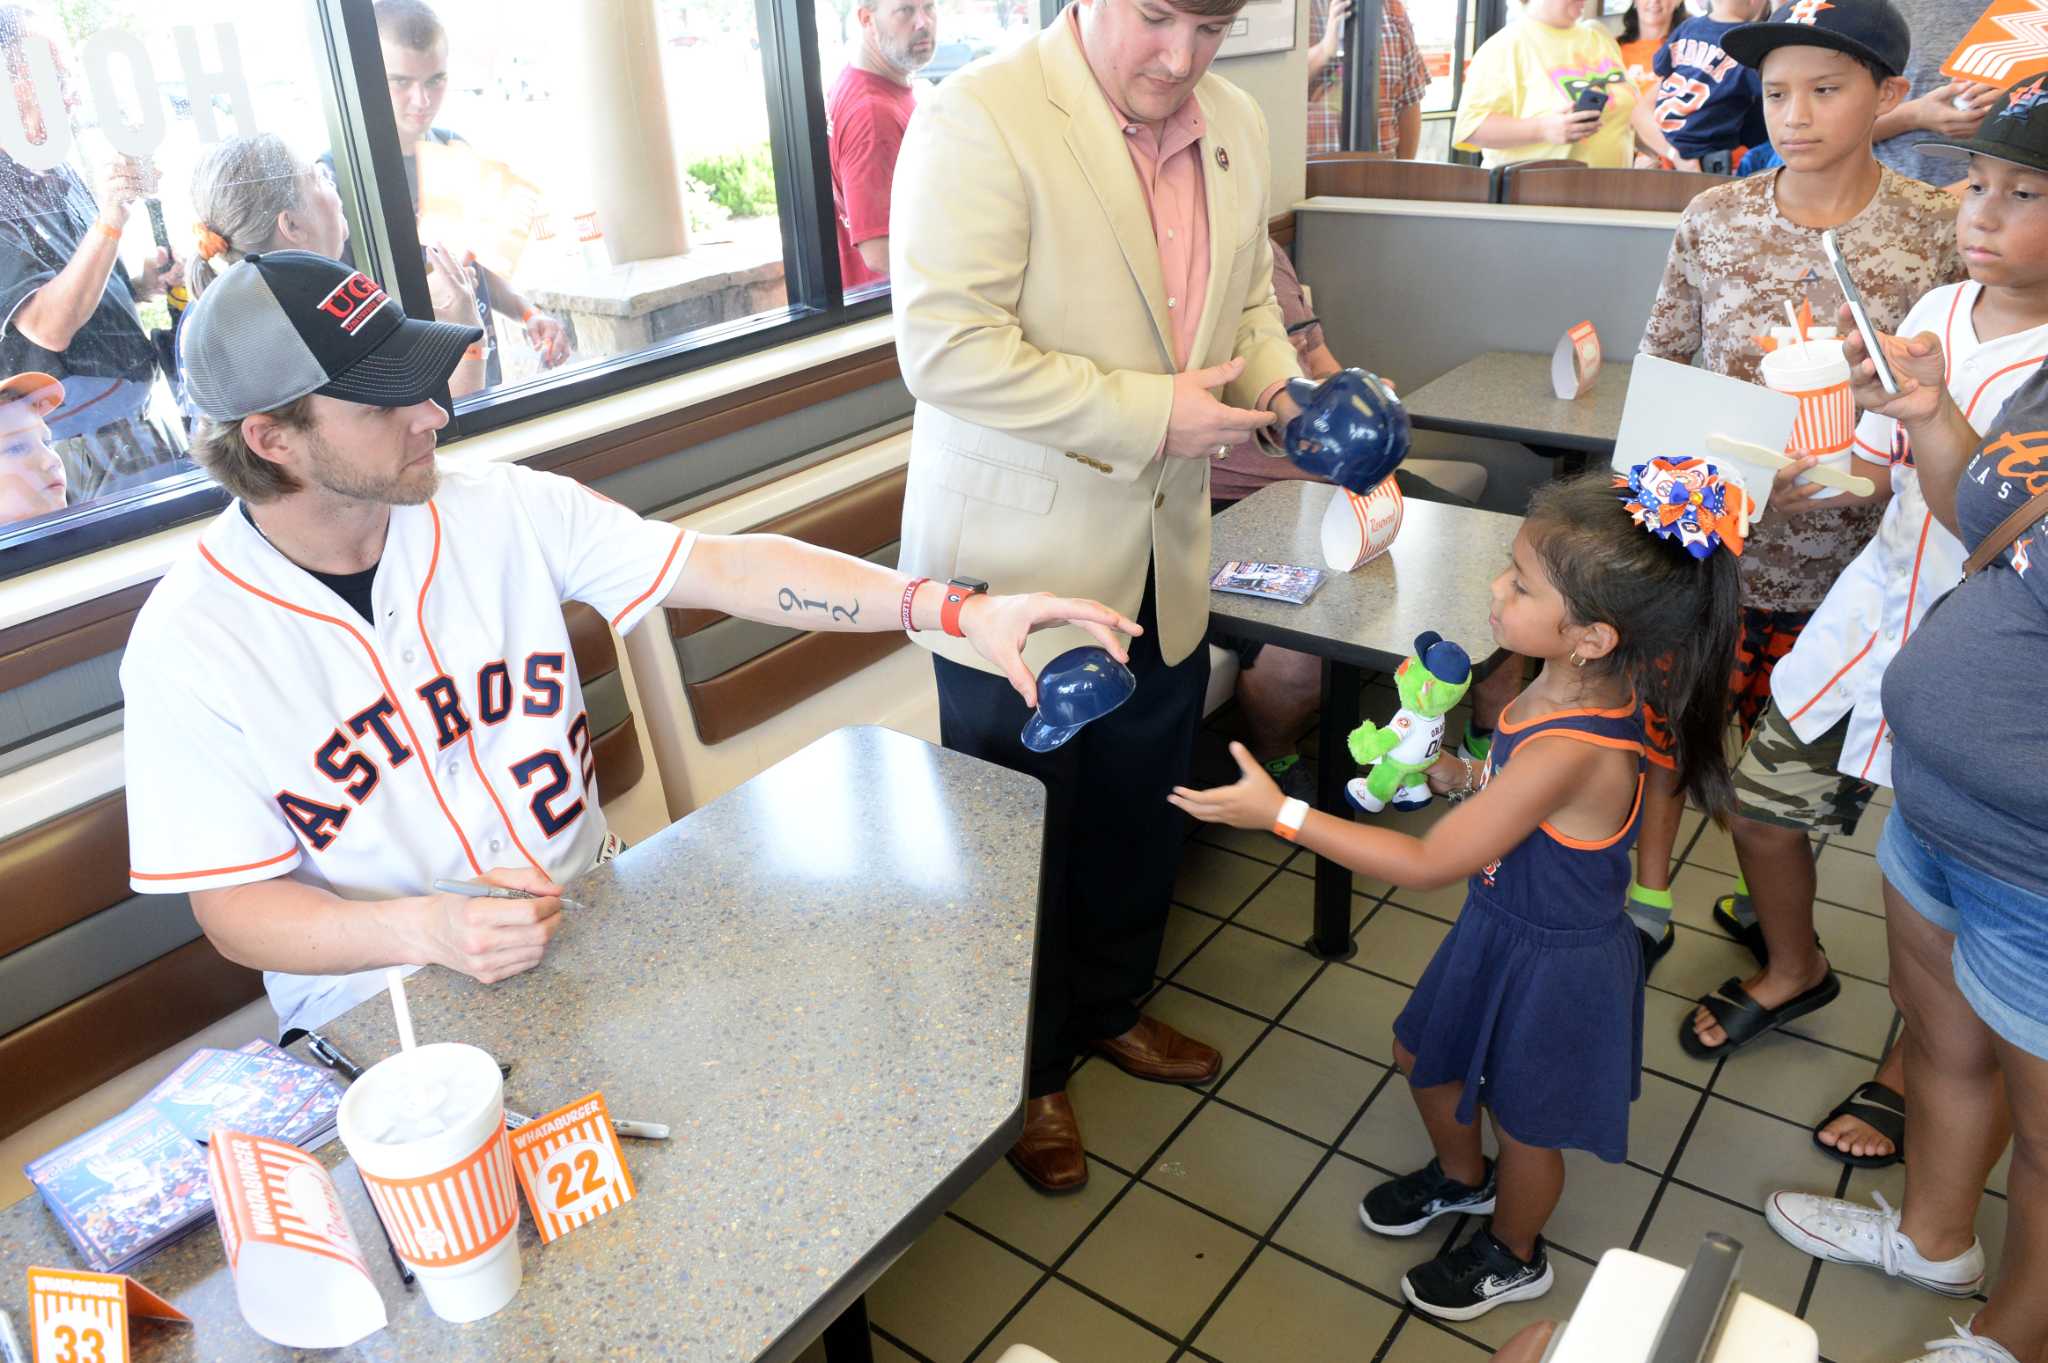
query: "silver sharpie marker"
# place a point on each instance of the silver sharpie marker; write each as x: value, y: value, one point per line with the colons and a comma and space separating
x: 471, y: 890
x: 634, y: 1131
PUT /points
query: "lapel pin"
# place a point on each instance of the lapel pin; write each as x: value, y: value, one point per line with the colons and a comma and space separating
x: 1222, y: 158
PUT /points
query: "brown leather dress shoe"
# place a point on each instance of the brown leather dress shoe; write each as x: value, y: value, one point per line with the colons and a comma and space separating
x: 1153, y: 1050
x: 1049, y: 1152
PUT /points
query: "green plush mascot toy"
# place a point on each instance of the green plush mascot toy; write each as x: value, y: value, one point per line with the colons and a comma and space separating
x: 1432, y: 681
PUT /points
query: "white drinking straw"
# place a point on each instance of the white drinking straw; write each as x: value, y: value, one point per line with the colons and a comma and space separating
x: 401, y: 1011
x: 1798, y: 332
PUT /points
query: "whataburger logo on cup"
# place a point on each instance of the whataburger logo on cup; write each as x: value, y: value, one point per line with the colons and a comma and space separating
x: 300, y: 1279
x: 1357, y: 530
x: 426, y: 1128
x: 453, y: 1216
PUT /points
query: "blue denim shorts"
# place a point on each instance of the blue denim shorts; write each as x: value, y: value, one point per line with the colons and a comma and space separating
x: 2001, y: 932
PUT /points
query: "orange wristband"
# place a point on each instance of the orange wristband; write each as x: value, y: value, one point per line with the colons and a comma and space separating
x: 1287, y: 823
x: 475, y: 352
x: 113, y: 233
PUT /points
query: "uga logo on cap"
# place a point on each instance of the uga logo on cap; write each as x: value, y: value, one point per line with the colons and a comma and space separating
x: 354, y: 301
x: 1807, y: 11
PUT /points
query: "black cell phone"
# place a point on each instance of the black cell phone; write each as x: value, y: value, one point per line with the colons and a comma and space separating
x: 1592, y: 99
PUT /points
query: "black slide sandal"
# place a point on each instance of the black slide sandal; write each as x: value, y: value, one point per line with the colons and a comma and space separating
x: 1881, y: 1109
x: 1743, y: 1019
x: 1751, y: 934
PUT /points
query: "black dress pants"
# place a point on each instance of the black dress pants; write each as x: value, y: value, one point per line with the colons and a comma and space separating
x: 1112, y: 841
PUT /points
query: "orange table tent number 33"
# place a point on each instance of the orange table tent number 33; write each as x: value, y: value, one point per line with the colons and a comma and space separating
x: 83, y: 1317
x: 570, y: 1166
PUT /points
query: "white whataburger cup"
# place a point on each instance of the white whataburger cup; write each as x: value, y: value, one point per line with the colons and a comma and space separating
x: 426, y: 1128
x: 1816, y: 373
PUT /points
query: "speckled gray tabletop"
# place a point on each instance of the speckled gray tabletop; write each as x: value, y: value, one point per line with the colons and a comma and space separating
x: 1505, y: 395
x: 821, y: 980
x: 1435, y: 577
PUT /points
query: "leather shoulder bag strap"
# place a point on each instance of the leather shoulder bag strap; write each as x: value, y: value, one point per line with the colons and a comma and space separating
x: 2009, y: 529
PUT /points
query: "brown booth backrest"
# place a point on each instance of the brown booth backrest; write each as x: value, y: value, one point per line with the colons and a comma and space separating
x: 1369, y: 175
x: 60, y: 875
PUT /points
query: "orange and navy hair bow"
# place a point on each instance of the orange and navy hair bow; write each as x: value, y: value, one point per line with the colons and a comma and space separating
x: 1697, y: 504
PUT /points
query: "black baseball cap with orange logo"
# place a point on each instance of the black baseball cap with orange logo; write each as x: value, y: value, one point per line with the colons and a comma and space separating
x: 2015, y: 130
x: 1868, y: 29
x: 283, y: 324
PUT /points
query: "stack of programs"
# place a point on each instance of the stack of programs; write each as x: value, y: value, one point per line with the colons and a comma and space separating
x: 128, y: 1187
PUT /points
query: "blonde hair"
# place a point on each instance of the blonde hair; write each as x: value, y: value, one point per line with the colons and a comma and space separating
x: 219, y: 448
x: 239, y: 190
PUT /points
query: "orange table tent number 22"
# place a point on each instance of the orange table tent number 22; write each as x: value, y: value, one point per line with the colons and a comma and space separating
x: 570, y: 1166
x: 83, y: 1317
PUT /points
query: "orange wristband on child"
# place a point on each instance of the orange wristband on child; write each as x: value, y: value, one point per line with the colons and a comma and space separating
x: 1287, y: 823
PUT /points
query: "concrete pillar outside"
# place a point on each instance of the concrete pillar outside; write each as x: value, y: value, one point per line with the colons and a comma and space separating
x: 624, y: 109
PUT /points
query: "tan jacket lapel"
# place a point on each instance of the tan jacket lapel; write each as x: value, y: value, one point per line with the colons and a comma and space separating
x: 1219, y: 193
x: 1097, y: 142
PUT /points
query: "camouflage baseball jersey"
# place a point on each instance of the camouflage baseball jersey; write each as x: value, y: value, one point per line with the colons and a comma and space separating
x: 1735, y: 263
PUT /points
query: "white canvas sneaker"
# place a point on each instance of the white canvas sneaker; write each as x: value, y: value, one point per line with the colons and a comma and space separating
x: 1843, y: 1232
x: 1964, y: 1347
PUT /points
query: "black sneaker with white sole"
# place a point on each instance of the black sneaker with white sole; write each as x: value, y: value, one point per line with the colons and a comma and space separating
x: 1468, y: 1281
x: 1403, y: 1206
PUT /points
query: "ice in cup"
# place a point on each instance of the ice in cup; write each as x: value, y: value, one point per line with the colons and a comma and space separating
x: 426, y: 1128
x: 1817, y: 373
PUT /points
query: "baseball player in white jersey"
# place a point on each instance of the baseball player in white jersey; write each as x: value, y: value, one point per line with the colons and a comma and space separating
x: 362, y: 681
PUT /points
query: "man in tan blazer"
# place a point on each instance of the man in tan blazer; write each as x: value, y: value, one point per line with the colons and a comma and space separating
x: 1080, y: 260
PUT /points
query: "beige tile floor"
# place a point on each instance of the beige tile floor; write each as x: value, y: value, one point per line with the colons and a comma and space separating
x: 1220, y: 1225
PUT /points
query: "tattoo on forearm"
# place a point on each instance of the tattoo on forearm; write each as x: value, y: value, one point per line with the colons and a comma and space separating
x: 791, y: 602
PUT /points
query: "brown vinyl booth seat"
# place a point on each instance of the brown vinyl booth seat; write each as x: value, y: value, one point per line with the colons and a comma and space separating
x: 1567, y: 184
x: 95, y: 979
x: 1369, y: 175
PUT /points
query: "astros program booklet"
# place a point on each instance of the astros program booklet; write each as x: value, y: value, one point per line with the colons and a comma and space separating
x: 1273, y: 581
x: 130, y: 1186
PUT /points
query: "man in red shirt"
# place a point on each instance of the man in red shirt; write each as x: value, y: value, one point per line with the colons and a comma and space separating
x: 865, y: 117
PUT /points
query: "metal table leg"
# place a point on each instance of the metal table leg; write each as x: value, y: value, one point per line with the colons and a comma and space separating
x: 1332, y: 940
x: 847, y: 1339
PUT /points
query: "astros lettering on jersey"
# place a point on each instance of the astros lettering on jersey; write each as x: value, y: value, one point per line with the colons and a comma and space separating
x: 271, y: 730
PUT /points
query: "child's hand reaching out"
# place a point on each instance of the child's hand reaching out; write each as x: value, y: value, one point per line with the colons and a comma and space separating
x: 1254, y: 802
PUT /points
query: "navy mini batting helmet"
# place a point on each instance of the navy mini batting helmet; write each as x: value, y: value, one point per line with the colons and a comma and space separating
x: 1352, y: 430
x: 1078, y: 687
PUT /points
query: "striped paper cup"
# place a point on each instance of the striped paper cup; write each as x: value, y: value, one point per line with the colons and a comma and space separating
x: 446, y: 1198
x: 1819, y: 378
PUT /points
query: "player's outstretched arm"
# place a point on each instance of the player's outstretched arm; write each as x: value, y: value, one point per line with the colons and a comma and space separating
x: 299, y: 929
x: 786, y: 582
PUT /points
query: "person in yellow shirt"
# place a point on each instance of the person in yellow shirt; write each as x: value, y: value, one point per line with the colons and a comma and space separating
x: 1523, y: 82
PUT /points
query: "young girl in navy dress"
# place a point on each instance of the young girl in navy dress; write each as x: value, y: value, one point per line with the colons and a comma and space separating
x: 1533, y: 1006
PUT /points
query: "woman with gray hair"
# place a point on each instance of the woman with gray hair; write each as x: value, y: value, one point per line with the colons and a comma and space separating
x: 253, y: 195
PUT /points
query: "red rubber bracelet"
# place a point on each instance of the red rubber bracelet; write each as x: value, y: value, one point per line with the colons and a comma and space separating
x: 910, y: 595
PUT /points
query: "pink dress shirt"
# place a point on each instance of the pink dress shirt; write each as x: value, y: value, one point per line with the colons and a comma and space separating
x: 1169, y: 166
x: 1168, y: 161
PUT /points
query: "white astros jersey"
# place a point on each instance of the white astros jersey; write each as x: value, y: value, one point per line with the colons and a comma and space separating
x: 1837, y: 666
x: 271, y: 730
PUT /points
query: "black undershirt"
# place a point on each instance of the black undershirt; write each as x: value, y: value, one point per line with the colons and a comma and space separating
x: 353, y: 588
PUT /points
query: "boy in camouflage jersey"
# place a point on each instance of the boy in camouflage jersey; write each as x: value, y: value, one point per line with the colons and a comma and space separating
x: 1742, y: 252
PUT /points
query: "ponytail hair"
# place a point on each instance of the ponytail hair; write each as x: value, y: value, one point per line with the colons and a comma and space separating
x: 1675, y: 618
x: 239, y: 190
